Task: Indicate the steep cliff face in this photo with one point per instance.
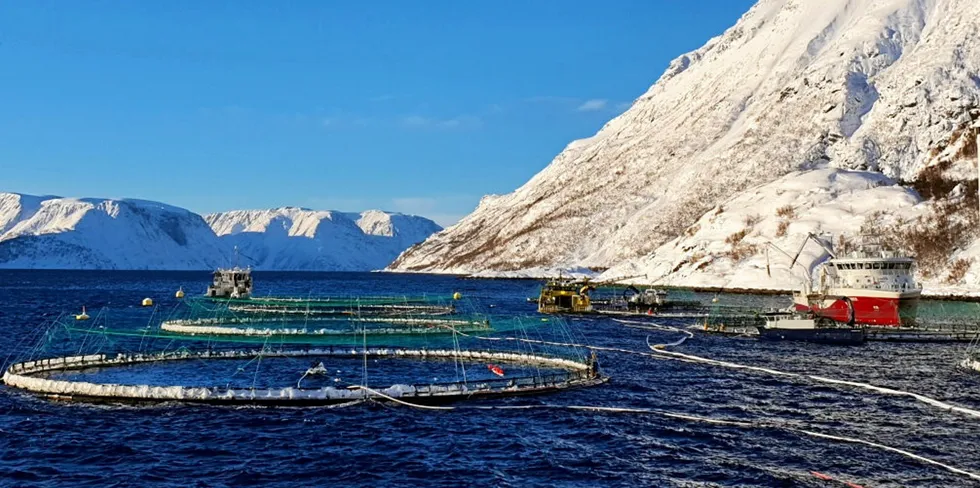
(886, 86)
(311, 240)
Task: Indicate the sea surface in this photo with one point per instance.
(44, 443)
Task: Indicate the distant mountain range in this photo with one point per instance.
(91, 233)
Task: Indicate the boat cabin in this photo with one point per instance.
(565, 296)
(870, 270)
(231, 283)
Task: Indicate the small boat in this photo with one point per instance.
(231, 283)
(497, 370)
(316, 369)
(566, 296)
(794, 327)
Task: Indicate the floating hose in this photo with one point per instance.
(690, 418)
(662, 353)
(821, 379)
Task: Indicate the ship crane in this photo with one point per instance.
(617, 280)
(814, 238)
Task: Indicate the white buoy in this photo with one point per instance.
(147, 302)
(180, 293)
(457, 295)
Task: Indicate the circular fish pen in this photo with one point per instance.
(320, 317)
(218, 355)
(354, 326)
(66, 378)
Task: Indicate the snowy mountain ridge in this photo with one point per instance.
(298, 238)
(886, 87)
(90, 233)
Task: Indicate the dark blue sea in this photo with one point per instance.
(45, 443)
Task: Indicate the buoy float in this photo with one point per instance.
(180, 293)
(497, 370)
(82, 316)
(457, 295)
(147, 302)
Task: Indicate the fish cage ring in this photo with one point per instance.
(39, 377)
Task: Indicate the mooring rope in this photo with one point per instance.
(659, 351)
(690, 418)
(879, 389)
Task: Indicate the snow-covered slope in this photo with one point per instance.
(888, 86)
(727, 246)
(300, 239)
(89, 233)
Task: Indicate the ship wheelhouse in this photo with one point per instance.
(231, 283)
(886, 273)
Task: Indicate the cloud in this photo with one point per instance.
(460, 122)
(416, 121)
(445, 220)
(552, 100)
(594, 105)
(445, 210)
(414, 205)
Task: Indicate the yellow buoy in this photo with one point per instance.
(82, 316)
(147, 302)
(180, 293)
(457, 295)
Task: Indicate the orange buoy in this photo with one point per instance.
(497, 370)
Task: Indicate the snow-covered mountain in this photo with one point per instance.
(886, 87)
(300, 239)
(90, 233)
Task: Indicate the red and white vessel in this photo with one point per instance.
(879, 285)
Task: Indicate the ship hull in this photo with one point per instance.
(835, 336)
(871, 307)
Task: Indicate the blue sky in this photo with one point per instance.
(419, 107)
